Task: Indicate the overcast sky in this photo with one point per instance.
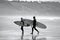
(36, 0)
(40, 0)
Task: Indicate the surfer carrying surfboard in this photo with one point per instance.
(22, 22)
(34, 25)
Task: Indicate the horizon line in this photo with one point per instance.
(39, 1)
(30, 17)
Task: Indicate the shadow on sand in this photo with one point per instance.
(34, 37)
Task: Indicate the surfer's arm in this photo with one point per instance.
(21, 23)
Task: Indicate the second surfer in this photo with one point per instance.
(34, 25)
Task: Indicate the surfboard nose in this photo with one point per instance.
(45, 26)
(15, 22)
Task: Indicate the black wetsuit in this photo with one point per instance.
(34, 23)
(22, 26)
(34, 26)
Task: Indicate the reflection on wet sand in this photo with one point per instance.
(42, 39)
(22, 36)
(34, 37)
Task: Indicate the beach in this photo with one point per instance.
(11, 31)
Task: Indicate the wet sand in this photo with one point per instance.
(19, 36)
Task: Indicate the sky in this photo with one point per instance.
(38, 0)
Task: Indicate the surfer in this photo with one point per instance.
(22, 25)
(34, 25)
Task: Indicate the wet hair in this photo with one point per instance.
(21, 18)
(33, 16)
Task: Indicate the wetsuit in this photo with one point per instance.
(22, 26)
(34, 26)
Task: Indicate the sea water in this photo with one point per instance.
(11, 31)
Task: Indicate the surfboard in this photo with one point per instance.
(38, 24)
(20, 24)
(28, 23)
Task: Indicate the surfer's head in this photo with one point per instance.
(33, 17)
(21, 18)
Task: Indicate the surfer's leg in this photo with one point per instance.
(32, 30)
(22, 29)
(36, 30)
